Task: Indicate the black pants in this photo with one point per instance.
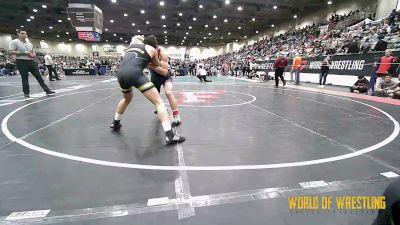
(323, 76)
(51, 70)
(279, 74)
(392, 211)
(26, 66)
(203, 78)
(359, 89)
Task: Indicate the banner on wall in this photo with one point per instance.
(352, 65)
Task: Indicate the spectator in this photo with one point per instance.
(324, 71)
(381, 45)
(392, 17)
(384, 86)
(366, 46)
(297, 61)
(353, 46)
(385, 66)
(361, 85)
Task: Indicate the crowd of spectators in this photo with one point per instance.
(355, 32)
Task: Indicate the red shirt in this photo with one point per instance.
(385, 64)
(280, 63)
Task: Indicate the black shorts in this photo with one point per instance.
(159, 80)
(129, 76)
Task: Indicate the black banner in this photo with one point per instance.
(73, 72)
(352, 65)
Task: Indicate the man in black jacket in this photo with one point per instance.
(381, 45)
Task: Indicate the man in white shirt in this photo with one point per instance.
(202, 74)
(49, 63)
(25, 55)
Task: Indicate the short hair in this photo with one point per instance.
(360, 76)
(151, 40)
(136, 39)
(21, 31)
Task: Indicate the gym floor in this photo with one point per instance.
(249, 146)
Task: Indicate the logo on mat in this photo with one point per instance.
(205, 96)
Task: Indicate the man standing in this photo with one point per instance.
(385, 66)
(279, 66)
(49, 63)
(25, 62)
(297, 61)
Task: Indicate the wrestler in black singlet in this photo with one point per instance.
(130, 72)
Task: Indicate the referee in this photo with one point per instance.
(25, 62)
(49, 64)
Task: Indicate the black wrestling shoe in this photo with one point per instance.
(172, 138)
(48, 93)
(27, 96)
(115, 125)
(284, 83)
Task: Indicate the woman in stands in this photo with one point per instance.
(130, 73)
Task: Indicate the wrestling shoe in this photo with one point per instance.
(115, 125)
(172, 138)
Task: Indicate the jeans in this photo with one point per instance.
(297, 74)
(323, 77)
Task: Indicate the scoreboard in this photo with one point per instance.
(85, 17)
